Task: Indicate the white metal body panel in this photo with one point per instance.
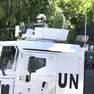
(35, 85)
(44, 46)
(47, 34)
(70, 64)
(46, 74)
(67, 59)
(57, 63)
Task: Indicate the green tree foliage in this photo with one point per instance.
(74, 11)
(12, 12)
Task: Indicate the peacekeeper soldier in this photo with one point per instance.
(41, 20)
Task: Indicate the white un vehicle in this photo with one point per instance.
(37, 64)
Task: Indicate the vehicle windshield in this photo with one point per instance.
(7, 56)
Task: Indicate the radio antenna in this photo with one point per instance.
(85, 23)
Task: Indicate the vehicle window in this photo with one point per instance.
(40, 63)
(7, 56)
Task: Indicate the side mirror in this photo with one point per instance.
(2, 67)
(32, 65)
